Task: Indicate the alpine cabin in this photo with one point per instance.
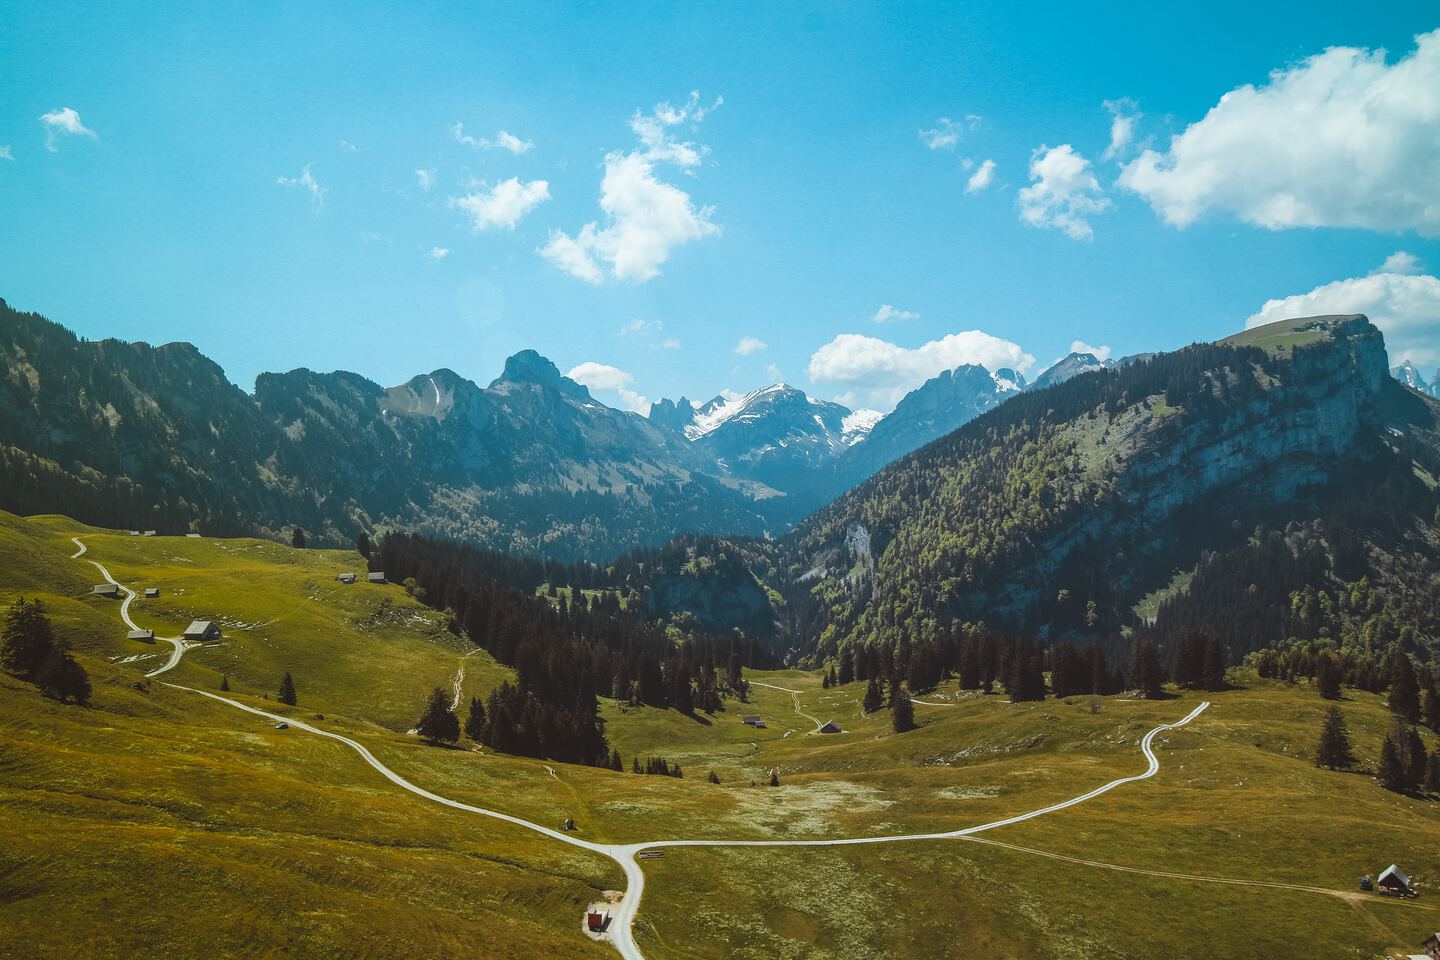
(202, 631)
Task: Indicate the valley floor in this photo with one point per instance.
(162, 823)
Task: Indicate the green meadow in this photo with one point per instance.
(161, 823)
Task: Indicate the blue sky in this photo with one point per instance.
(155, 184)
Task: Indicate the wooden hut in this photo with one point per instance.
(377, 577)
(1392, 882)
(596, 920)
(105, 590)
(1432, 946)
(830, 726)
(202, 631)
(152, 592)
(144, 636)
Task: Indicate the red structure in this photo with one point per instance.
(596, 921)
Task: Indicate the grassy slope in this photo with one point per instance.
(137, 814)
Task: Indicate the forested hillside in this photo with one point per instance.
(1283, 476)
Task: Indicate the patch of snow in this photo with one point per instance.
(857, 424)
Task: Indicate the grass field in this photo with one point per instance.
(158, 823)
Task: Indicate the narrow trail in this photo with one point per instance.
(932, 703)
(621, 933)
(794, 695)
(178, 644)
(1350, 895)
(459, 679)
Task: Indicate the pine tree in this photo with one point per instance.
(1430, 707)
(475, 720)
(847, 668)
(1334, 750)
(873, 699)
(1404, 698)
(224, 683)
(287, 690)
(774, 778)
(713, 778)
(27, 639)
(1392, 771)
(362, 544)
(297, 538)
(1327, 676)
(1432, 772)
(1213, 673)
(1145, 668)
(1415, 757)
(438, 724)
(902, 711)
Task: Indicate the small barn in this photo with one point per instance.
(596, 920)
(152, 592)
(149, 533)
(1432, 946)
(202, 631)
(830, 726)
(377, 577)
(144, 636)
(1393, 883)
(193, 536)
(105, 590)
(751, 720)
(345, 577)
(133, 533)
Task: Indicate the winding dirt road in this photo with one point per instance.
(621, 932)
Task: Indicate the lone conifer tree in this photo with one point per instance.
(873, 699)
(1334, 750)
(437, 724)
(713, 777)
(61, 678)
(902, 711)
(297, 539)
(1432, 772)
(475, 721)
(287, 690)
(1145, 669)
(1327, 676)
(27, 639)
(1392, 771)
(362, 544)
(774, 778)
(224, 682)
(1404, 698)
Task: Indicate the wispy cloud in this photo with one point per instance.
(503, 140)
(749, 346)
(981, 179)
(946, 133)
(890, 314)
(604, 377)
(425, 179)
(348, 147)
(64, 122)
(1124, 115)
(438, 253)
(306, 181)
(5, 153)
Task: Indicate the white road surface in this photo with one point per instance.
(620, 932)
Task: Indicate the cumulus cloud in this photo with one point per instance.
(885, 371)
(1101, 353)
(1063, 192)
(983, 176)
(503, 141)
(504, 205)
(1340, 139)
(307, 182)
(604, 377)
(61, 123)
(1400, 262)
(1404, 305)
(1124, 115)
(888, 314)
(749, 346)
(645, 217)
(438, 253)
(425, 178)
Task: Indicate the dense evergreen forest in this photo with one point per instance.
(568, 645)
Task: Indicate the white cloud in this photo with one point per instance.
(348, 147)
(1400, 262)
(888, 313)
(749, 346)
(1101, 353)
(670, 343)
(602, 376)
(504, 205)
(1063, 192)
(887, 371)
(1405, 306)
(438, 253)
(1341, 139)
(1124, 115)
(943, 136)
(64, 122)
(773, 372)
(946, 133)
(307, 182)
(503, 140)
(425, 178)
(5, 153)
(983, 176)
(646, 331)
(645, 217)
